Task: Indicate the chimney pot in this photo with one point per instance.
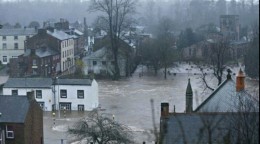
(229, 75)
(240, 81)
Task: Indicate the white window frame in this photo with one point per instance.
(16, 46)
(15, 37)
(81, 107)
(4, 38)
(79, 94)
(38, 96)
(34, 62)
(42, 105)
(14, 91)
(94, 63)
(4, 46)
(9, 131)
(4, 58)
(61, 94)
(66, 105)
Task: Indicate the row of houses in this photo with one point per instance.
(203, 49)
(43, 52)
(229, 115)
(59, 93)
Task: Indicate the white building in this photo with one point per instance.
(76, 94)
(12, 42)
(73, 94)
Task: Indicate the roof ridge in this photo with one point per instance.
(212, 94)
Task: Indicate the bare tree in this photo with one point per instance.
(165, 42)
(244, 122)
(218, 57)
(117, 17)
(150, 54)
(100, 129)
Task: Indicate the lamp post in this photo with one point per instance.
(58, 96)
(64, 115)
(53, 115)
(64, 112)
(0, 127)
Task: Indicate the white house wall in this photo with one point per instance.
(90, 100)
(46, 95)
(10, 51)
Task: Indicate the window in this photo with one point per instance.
(4, 58)
(104, 63)
(15, 45)
(67, 106)
(42, 105)
(94, 63)
(80, 107)
(39, 94)
(4, 45)
(14, 92)
(9, 132)
(63, 93)
(34, 62)
(15, 37)
(80, 94)
(4, 37)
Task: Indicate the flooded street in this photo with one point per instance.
(129, 101)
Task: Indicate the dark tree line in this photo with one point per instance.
(159, 52)
(252, 56)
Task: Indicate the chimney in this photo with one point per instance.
(240, 81)
(164, 109)
(41, 31)
(30, 96)
(189, 98)
(229, 75)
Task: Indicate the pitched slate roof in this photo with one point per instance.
(74, 82)
(98, 54)
(226, 99)
(28, 83)
(13, 109)
(59, 34)
(192, 127)
(17, 32)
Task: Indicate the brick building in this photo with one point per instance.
(21, 120)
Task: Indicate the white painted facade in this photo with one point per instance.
(46, 100)
(12, 43)
(90, 100)
(49, 97)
